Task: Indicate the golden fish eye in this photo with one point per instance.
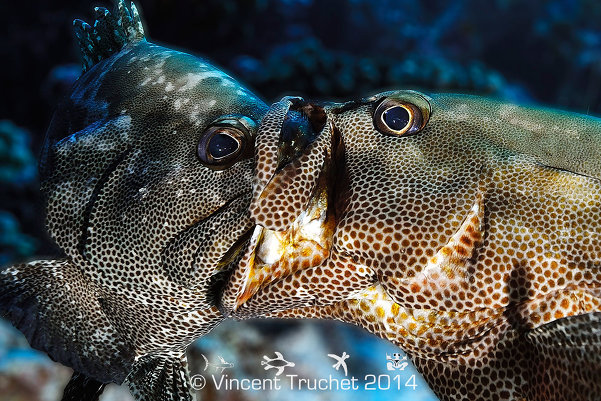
(224, 142)
(395, 115)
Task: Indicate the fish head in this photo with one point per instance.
(147, 176)
(387, 187)
(147, 172)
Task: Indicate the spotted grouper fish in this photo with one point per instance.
(465, 230)
(147, 173)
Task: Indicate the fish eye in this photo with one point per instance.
(224, 142)
(396, 118)
(396, 115)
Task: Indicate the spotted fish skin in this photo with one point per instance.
(472, 239)
(145, 226)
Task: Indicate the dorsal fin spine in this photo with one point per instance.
(109, 34)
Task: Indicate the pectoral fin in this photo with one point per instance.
(557, 361)
(160, 378)
(560, 360)
(568, 350)
(59, 312)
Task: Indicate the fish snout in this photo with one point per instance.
(292, 145)
(292, 204)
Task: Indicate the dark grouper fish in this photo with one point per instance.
(465, 230)
(147, 173)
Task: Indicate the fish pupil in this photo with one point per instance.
(222, 145)
(396, 118)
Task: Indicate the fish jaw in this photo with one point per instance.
(293, 146)
(301, 235)
(273, 255)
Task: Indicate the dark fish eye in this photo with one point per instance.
(396, 118)
(222, 144)
(225, 142)
(395, 115)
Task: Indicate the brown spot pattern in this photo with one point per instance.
(475, 245)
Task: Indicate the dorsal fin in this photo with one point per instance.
(110, 33)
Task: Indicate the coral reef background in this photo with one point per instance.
(540, 51)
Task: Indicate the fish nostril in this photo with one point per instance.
(316, 115)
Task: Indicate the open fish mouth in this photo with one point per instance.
(275, 254)
(295, 174)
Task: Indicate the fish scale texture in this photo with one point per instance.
(144, 224)
(474, 247)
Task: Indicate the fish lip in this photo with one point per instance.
(294, 141)
(205, 277)
(224, 270)
(240, 289)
